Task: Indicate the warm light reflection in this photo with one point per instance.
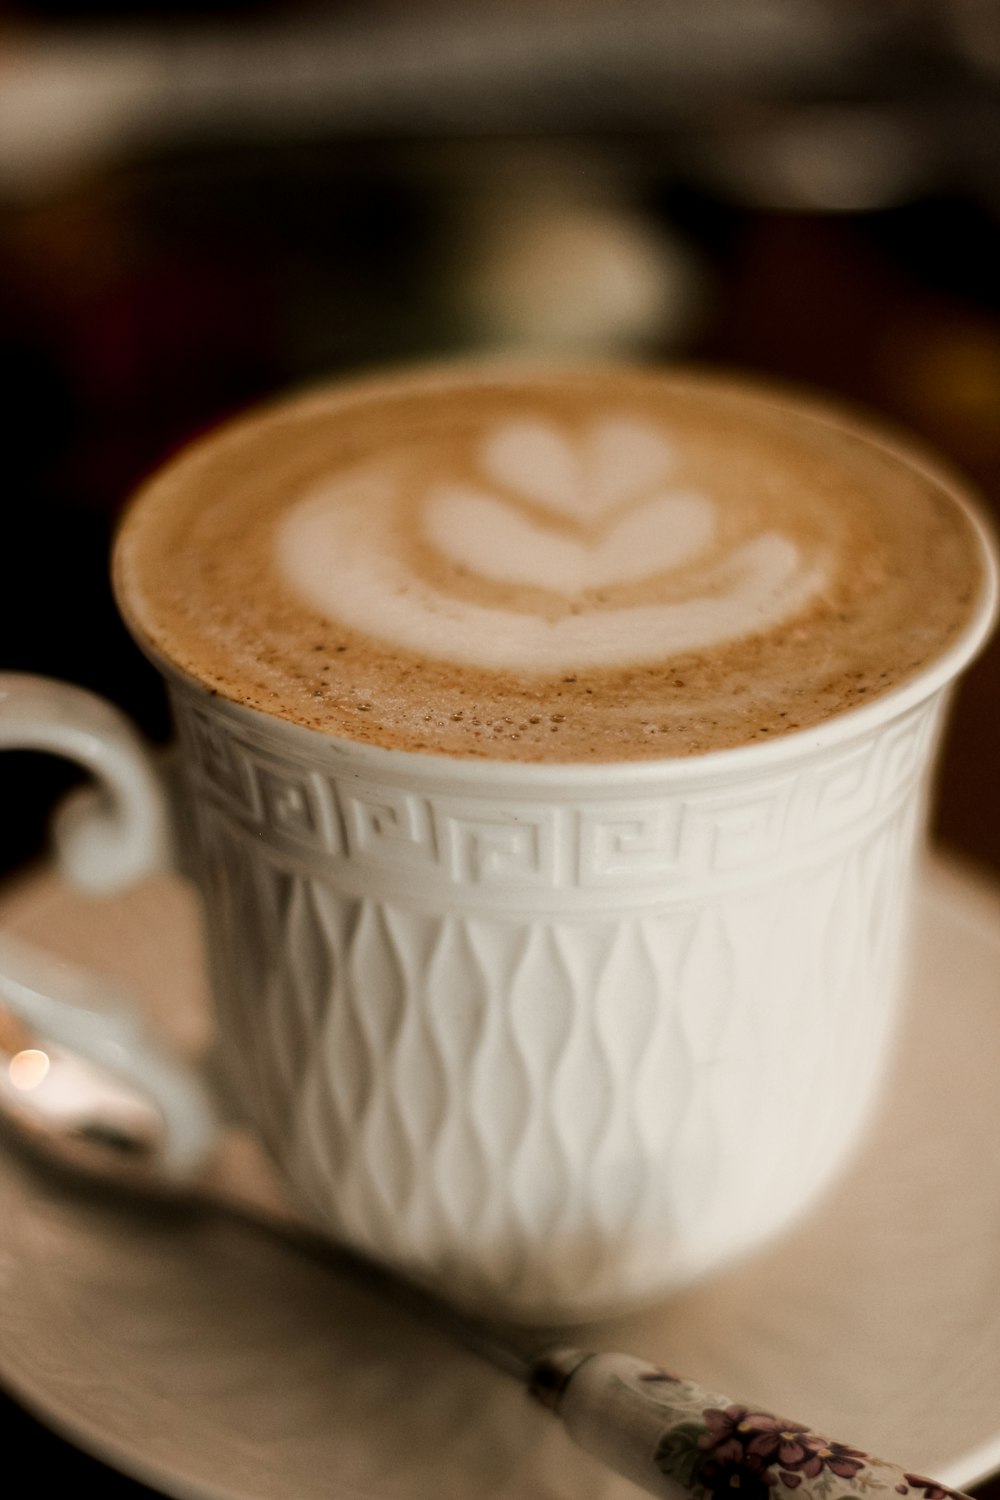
(27, 1069)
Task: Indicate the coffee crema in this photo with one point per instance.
(583, 565)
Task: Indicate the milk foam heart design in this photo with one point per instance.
(617, 460)
(570, 514)
(496, 542)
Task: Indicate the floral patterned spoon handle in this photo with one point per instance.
(673, 1438)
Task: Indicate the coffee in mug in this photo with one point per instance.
(582, 566)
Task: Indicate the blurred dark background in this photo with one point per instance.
(203, 204)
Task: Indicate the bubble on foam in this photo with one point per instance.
(342, 549)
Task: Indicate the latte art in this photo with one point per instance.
(495, 541)
(581, 526)
(605, 564)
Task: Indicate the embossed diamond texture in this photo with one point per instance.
(561, 1113)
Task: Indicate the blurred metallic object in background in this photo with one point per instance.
(974, 27)
(862, 101)
(552, 254)
(819, 157)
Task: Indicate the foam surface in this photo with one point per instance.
(603, 564)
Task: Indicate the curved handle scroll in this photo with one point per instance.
(105, 842)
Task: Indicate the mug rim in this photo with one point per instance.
(794, 745)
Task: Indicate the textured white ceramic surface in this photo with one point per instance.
(218, 1364)
(554, 1038)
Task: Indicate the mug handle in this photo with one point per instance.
(104, 843)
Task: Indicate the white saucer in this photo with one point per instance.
(211, 1361)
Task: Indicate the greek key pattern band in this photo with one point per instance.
(526, 848)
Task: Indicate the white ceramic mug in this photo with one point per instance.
(551, 1038)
